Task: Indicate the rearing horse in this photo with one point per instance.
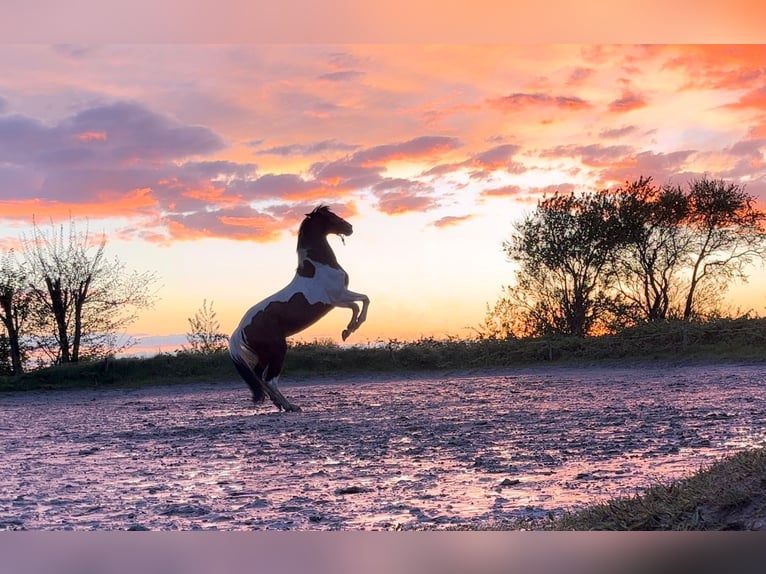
(259, 344)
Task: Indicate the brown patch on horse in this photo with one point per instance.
(280, 319)
(306, 269)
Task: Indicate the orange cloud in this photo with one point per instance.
(451, 220)
(718, 66)
(628, 102)
(505, 191)
(754, 98)
(205, 225)
(107, 205)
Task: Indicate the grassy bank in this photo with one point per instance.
(727, 495)
(741, 339)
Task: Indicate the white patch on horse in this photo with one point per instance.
(328, 285)
(319, 284)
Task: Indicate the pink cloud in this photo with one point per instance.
(420, 147)
(659, 166)
(451, 220)
(496, 157)
(401, 201)
(594, 155)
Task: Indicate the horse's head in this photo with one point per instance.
(325, 222)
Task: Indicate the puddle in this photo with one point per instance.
(367, 453)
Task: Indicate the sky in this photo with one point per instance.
(198, 161)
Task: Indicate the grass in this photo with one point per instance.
(728, 495)
(722, 340)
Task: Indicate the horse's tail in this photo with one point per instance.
(238, 353)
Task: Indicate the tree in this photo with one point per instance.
(82, 298)
(563, 250)
(726, 235)
(604, 260)
(15, 309)
(652, 257)
(205, 336)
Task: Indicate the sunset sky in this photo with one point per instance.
(199, 160)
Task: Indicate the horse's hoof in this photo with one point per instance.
(344, 335)
(293, 409)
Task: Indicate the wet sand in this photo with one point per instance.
(367, 453)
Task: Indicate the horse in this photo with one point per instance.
(259, 343)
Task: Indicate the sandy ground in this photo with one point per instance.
(367, 453)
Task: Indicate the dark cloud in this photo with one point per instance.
(276, 185)
(496, 157)
(126, 158)
(296, 211)
(219, 170)
(749, 158)
(109, 149)
(579, 75)
(341, 76)
(483, 164)
(22, 138)
(521, 101)
(117, 133)
(133, 132)
(346, 174)
(74, 51)
(615, 133)
(343, 60)
(315, 148)
(749, 148)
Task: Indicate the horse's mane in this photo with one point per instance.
(322, 208)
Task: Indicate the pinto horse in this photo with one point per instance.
(259, 344)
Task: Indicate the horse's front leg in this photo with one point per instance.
(352, 324)
(348, 300)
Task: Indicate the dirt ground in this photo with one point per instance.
(367, 453)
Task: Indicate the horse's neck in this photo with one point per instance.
(317, 249)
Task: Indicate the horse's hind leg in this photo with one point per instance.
(278, 398)
(274, 363)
